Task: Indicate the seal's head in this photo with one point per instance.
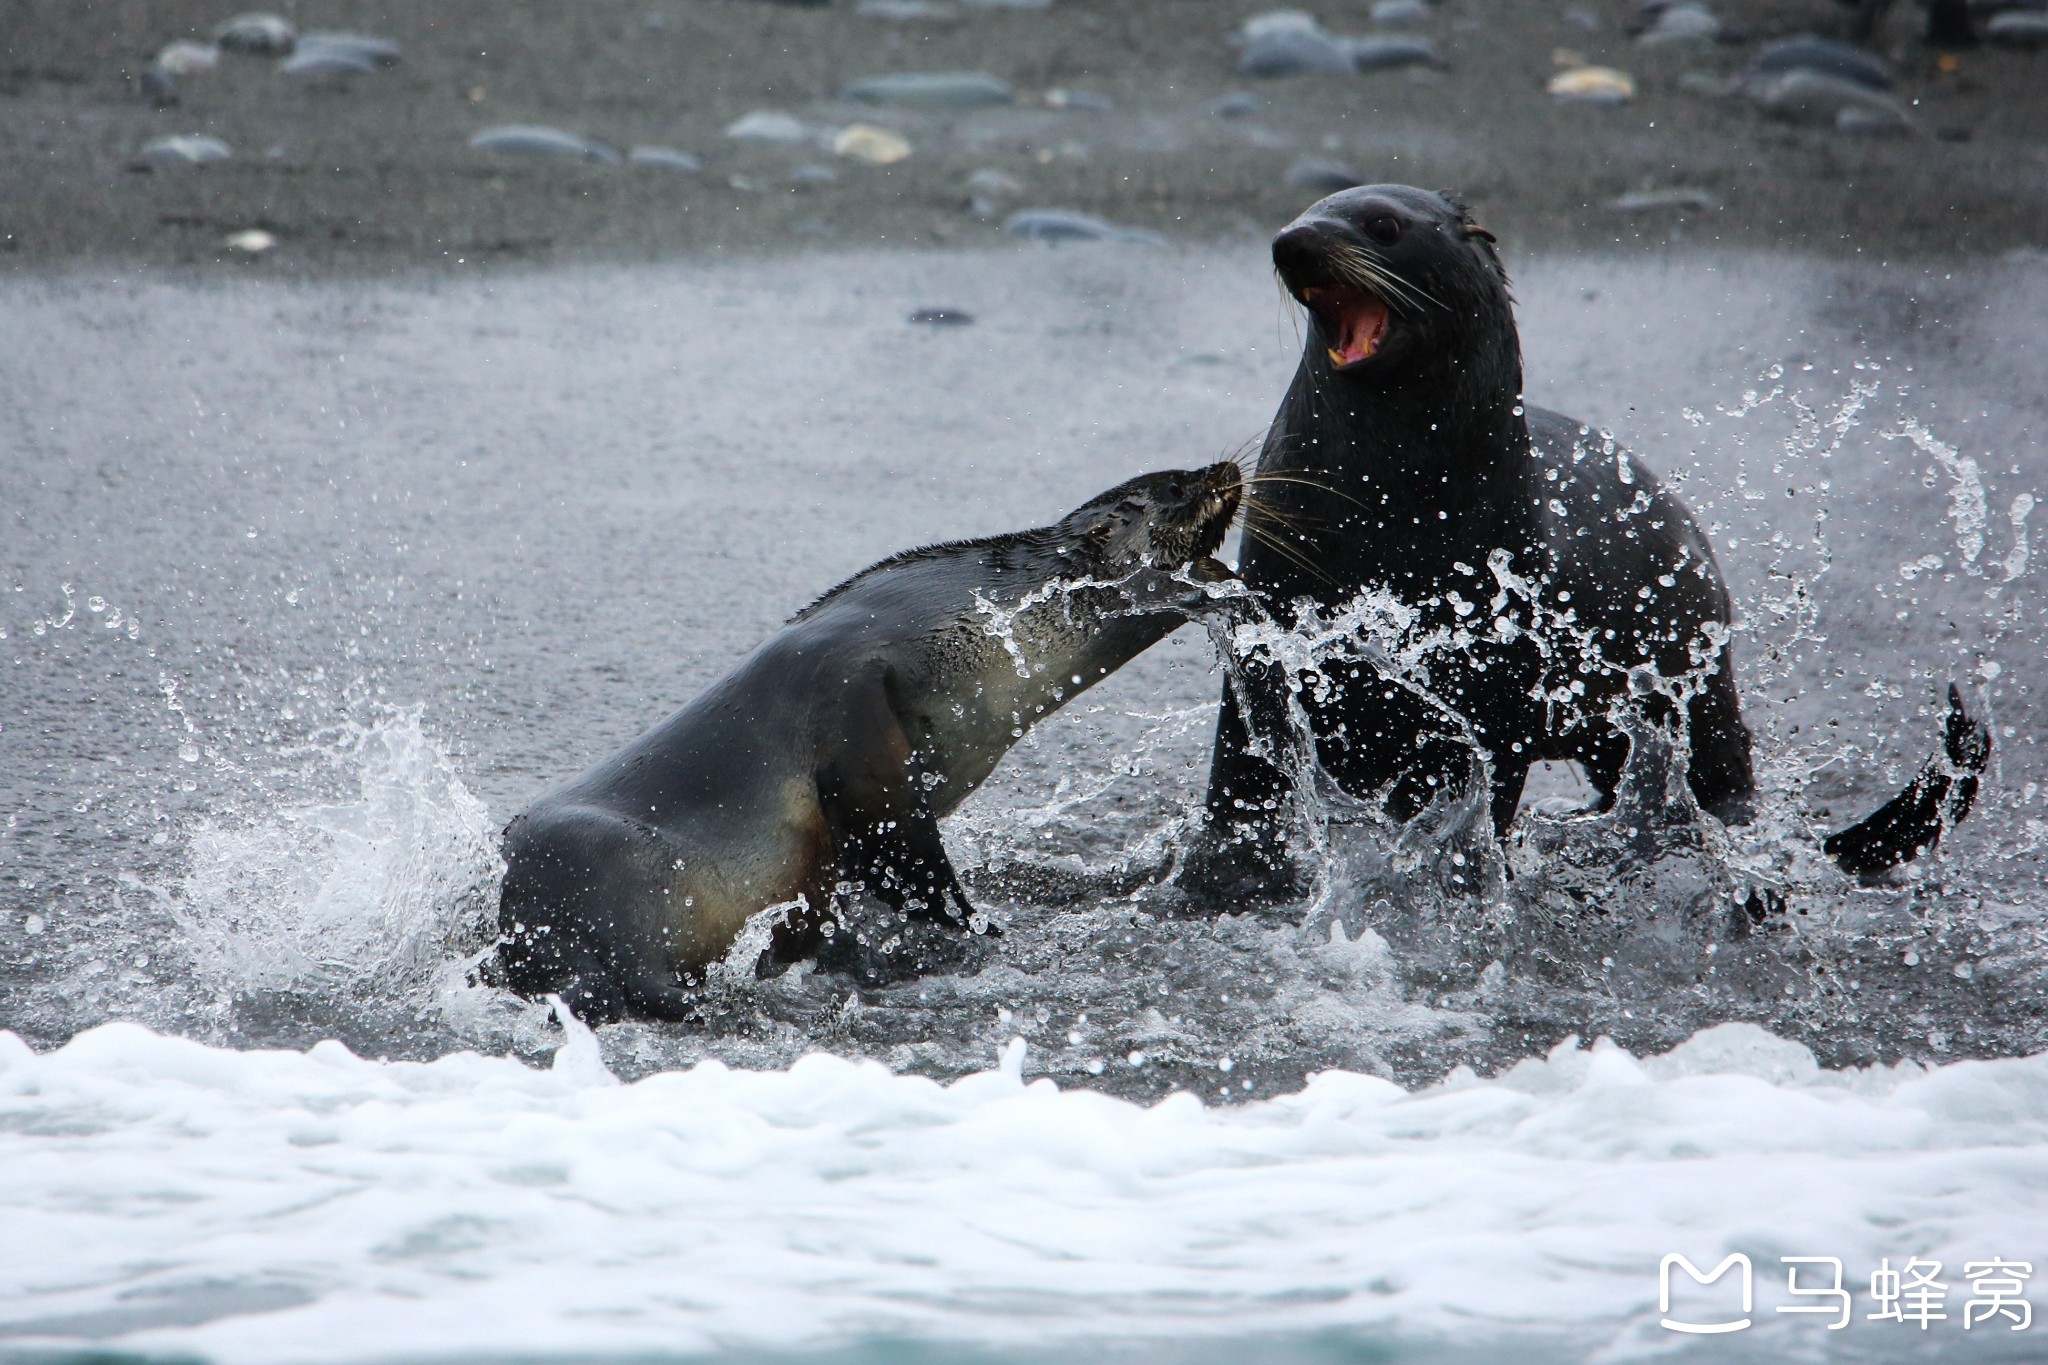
(1170, 520)
(1398, 281)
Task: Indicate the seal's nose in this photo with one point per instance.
(1299, 250)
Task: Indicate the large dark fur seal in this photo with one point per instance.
(1559, 581)
(819, 768)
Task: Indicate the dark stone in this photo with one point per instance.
(1321, 175)
(1825, 55)
(1388, 54)
(527, 139)
(1066, 225)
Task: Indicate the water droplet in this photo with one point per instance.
(188, 752)
(1963, 971)
(1911, 959)
(33, 925)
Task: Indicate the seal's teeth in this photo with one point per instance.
(1336, 356)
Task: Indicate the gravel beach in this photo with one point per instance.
(1136, 114)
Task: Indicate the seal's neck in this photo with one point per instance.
(1425, 465)
(1457, 410)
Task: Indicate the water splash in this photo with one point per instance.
(367, 895)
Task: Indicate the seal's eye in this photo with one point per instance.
(1176, 492)
(1383, 228)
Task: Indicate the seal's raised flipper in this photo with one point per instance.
(873, 792)
(1938, 797)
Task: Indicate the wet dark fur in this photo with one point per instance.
(819, 768)
(1432, 465)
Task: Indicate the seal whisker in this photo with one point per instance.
(1288, 552)
(1267, 516)
(1361, 268)
(1256, 479)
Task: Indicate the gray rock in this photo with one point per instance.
(942, 317)
(1675, 200)
(2018, 28)
(1868, 122)
(906, 11)
(666, 159)
(770, 125)
(1683, 23)
(990, 181)
(1321, 175)
(932, 89)
(1066, 225)
(813, 173)
(1809, 53)
(364, 47)
(185, 149)
(1813, 97)
(159, 86)
(1388, 54)
(187, 58)
(1086, 101)
(1400, 13)
(257, 35)
(530, 139)
(1290, 43)
(321, 64)
(1237, 104)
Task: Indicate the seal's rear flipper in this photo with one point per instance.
(1938, 797)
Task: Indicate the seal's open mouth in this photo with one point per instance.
(1353, 321)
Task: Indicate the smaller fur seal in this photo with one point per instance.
(818, 769)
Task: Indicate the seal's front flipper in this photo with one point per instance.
(884, 834)
(1938, 797)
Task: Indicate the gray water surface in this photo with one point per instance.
(308, 587)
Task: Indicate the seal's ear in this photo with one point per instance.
(1463, 211)
(1474, 232)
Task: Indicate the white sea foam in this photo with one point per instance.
(166, 1196)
